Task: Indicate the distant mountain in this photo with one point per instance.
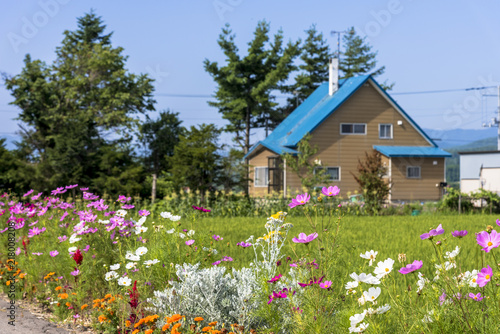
(460, 137)
(488, 144)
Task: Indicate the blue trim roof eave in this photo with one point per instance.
(404, 113)
(412, 151)
(276, 149)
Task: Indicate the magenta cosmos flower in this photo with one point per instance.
(144, 213)
(330, 191)
(484, 276)
(416, 265)
(439, 230)
(488, 240)
(475, 297)
(304, 238)
(300, 200)
(189, 242)
(275, 279)
(459, 234)
(54, 253)
(325, 285)
(244, 244)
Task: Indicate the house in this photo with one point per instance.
(347, 118)
(480, 170)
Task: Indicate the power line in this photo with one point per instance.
(444, 90)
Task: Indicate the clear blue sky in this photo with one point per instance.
(425, 45)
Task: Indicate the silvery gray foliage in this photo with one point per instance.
(209, 293)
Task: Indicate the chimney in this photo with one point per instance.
(334, 76)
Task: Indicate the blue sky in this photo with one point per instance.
(425, 45)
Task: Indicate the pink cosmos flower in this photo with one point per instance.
(63, 238)
(216, 263)
(439, 230)
(475, 297)
(416, 265)
(38, 254)
(28, 193)
(275, 279)
(300, 200)
(325, 285)
(35, 231)
(459, 234)
(305, 239)
(244, 244)
(18, 250)
(330, 191)
(76, 272)
(189, 242)
(498, 222)
(128, 206)
(144, 213)
(217, 237)
(53, 253)
(71, 186)
(227, 258)
(484, 276)
(488, 240)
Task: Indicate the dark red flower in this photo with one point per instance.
(78, 257)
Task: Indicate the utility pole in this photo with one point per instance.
(495, 121)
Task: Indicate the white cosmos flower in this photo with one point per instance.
(384, 268)
(132, 257)
(72, 249)
(357, 318)
(421, 282)
(364, 278)
(182, 235)
(452, 254)
(175, 218)
(110, 275)
(370, 295)
(351, 285)
(362, 327)
(428, 318)
(171, 231)
(370, 255)
(141, 221)
(130, 265)
(141, 251)
(114, 266)
(447, 266)
(166, 215)
(471, 278)
(140, 229)
(149, 263)
(74, 238)
(190, 233)
(121, 213)
(371, 311)
(383, 309)
(105, 222)
(124, 281)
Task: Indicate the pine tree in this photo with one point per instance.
(358, 58)
(245, 85)
(79, 111)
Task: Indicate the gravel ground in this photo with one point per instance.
(31, 321)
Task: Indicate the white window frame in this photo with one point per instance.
(266, 177)
(331, 180)
(353, 124)
(380, 131)
(414, 177)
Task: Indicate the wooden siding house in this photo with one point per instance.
(345, 120)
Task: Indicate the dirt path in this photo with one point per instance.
(28, 322)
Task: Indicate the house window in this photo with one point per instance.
(385, 131)
(413, 172)
(353, 129)
(332, 172)
(261, 177)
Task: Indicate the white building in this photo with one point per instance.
(480, 170)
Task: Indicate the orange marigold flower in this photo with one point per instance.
(127, 323)
(206, 329)
(198, 319)
(73, 293)
(149, 331)
(58, 304)
(22, 275)
(135, 331)
(102, 318)
(108, 296)
(84, 306)
(176, 326)
(63, 295)
(58, 288)
(213, 323)
(165, 327)
(68, 304)
(7, 283)
(174, 318)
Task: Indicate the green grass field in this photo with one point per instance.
(389, 235)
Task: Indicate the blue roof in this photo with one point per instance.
(412, 151)
(313, 111)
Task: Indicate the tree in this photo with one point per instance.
(194, 162)
(358, 58)
(313, 71)
(159, 138)
(371, 180)
(245, 85)
(309, 172)
(233, 171)
(80, 107)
